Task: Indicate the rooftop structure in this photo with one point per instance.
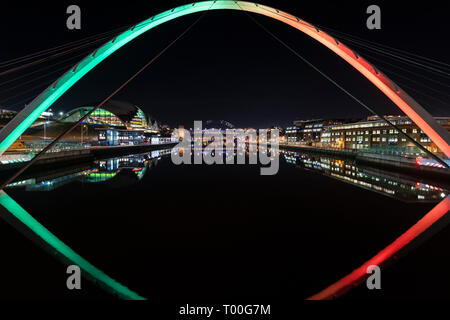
(114, 114)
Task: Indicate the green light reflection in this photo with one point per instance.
(111, 285)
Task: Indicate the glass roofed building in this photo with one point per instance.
(115, 114)
(116, 122)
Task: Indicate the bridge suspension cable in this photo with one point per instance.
(428, 96)
(34, 55)
(403, 53)
(411, 82)
(51, 57)
(398, 67)
(58, 71)
(45, 68)
(43, 84)
(33, 80)
(409, 59)
(420, 75)
(67, 62)
(408, 83)
(397, 57)
(390, 71)
(422, 148)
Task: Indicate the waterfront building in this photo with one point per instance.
(309, 132)
(375, 133)
(115, 123)
(372, 133)
(292, 134)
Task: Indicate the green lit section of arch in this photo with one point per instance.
(50, 239)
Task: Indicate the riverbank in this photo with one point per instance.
(68, 158)
(388, 162)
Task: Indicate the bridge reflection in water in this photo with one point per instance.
(126, 170)
(116, 172)
(159, 231)
(402, 187)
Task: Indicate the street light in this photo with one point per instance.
(82, 126)
(45, 131)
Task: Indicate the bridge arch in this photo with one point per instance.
(12, 131)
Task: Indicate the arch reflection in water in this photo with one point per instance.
(403, 187)
(115, 173)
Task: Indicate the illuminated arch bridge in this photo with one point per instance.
(17, 126)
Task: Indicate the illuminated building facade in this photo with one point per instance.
(292, 134)
(115, 123)
(377, 133)
(310, 132)
(354, 134)
(399, 186)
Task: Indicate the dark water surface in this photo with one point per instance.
(217, 232)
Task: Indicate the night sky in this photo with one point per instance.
(226, 67)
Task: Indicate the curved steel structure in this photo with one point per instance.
(402, 243)
(30, 113)
(408, 105)
(19, 218)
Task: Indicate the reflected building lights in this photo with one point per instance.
(401, 187)
(103, 170)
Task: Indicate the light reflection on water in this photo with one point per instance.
(399, 186)
(124, 170)
(131, 168)
(163, 230)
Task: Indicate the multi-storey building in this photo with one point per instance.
(310, 132)
(375, 132)
(292, 134)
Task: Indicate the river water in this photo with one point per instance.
(221, 231)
